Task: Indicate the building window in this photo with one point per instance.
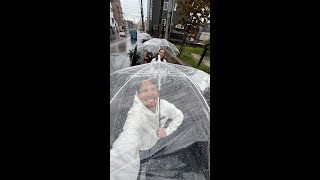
(164, 21)
(150, 13)
(165, 6)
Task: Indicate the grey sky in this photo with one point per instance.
(132, 11)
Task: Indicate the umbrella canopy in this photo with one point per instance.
(155, 44)
(145, 36)
(185, 152)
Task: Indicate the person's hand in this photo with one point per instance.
(161, 132)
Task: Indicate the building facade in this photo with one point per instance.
(126, 28)
(176, 29)
(153, 14)
(118, 14)
(112, 21)
(129, 24)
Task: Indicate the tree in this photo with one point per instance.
(192, 15)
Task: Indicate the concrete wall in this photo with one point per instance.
(204, 36)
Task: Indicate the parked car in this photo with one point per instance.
(122, 34)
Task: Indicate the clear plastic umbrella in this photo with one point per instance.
(155, 44)
(184, 153)
(144, 36)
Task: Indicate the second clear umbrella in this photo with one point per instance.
(155, 44)
(144, 36)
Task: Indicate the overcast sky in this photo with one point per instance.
(132, 11)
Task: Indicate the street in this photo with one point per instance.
(118, 52)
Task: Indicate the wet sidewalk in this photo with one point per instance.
(119, 48)
(114, 38)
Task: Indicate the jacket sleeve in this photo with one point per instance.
(125, 150)
(175, 114)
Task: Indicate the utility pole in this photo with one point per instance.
(142, 16)
(170, 9)
(199, 35)
(204, 52)
(151, 17)
(160, 17)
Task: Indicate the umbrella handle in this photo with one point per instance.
(159, 115)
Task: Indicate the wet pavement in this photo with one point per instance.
(119, 49)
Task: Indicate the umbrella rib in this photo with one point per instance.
(122, 69)
(192, 83)
(125, 84)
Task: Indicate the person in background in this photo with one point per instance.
(147, 56)
(161, 53)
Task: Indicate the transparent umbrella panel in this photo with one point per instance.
(154, 44)
(199, 78)
(144, 36)
(185, 152)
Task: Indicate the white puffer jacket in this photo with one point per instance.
(139, 133)
(155, 60)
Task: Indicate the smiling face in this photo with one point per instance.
(161, 53)
(148, 94)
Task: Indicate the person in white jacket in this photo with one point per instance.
(142, 130)
(161, 53)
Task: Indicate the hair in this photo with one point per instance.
(153, 81)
